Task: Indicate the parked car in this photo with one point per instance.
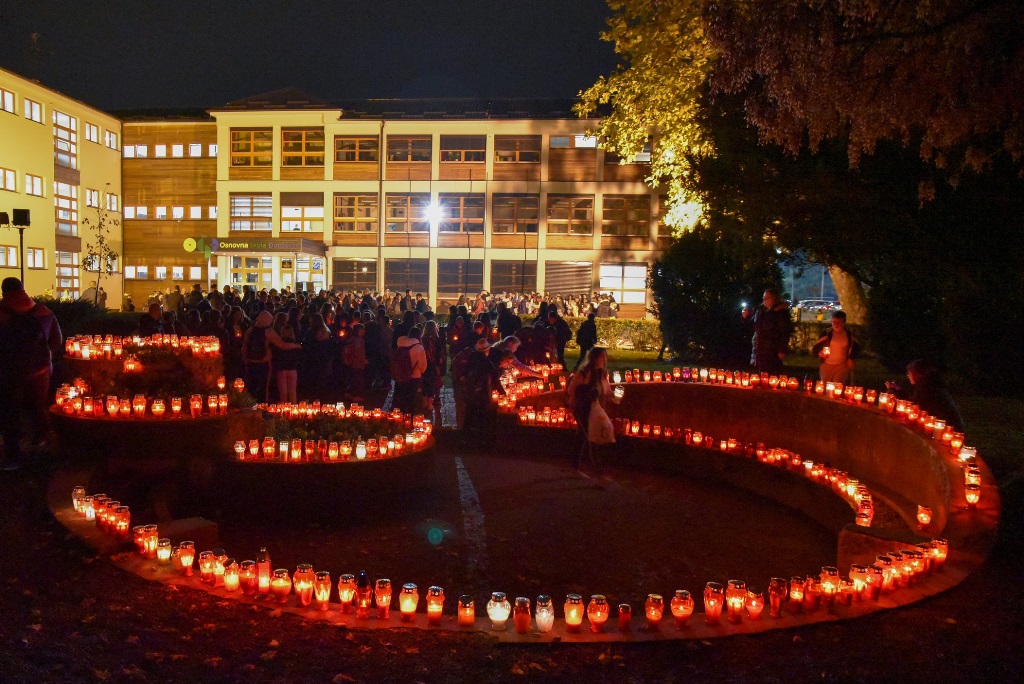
(818, 305)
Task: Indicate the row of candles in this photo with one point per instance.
(73, 400)
(900, 568)
(303, 451)
(92, 347)
(315, 409)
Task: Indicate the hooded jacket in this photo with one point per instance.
(19, 303)
(417, 354)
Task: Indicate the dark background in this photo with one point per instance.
(120, 54)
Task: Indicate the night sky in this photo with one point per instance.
(140, 53)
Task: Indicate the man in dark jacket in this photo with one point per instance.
(772, 328)
(29, 338)
(563, 333)
(586, 336)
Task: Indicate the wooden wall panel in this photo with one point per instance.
(403, 239)
(151, 239)
(626, 172)
(626, 243)
(524, 172)
(460, 239)
(356, 171)
(513, 241)
(175, 134)
(469, 171)
(572, 165)
(407, 171)
(354, 239)
(170, 182)
(250, 173)
(302, 173)
(557, 241)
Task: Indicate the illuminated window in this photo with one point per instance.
(7, 101)
(407, 213)
(626, 282)
(33, 111)
(409, 149)
(110, 139)
(352, 149)
(92, 132)
(406, 274)
(461, 213)
(643, 157)
(251, 212)
(513, 276)
(112, 201)
(178, 273)
(510, 149)
(92, 198)
(255, 271)
(160, 213)
(252, 146)
(195, 150)
(128, 152)
(65, 140)
(302, 219)
(356, 213)
(35, 258)
(8, 256)
(195, 272)
(33, 185)
(160, 272)
(136, 272)
(67, 274)
(195, 212)
(302, 147)
(463, 149)
(627, 215)
(142, 212)
(515, 213)
(212, 212)
(8, 180)
(573, 141)
(177, 150)
(212, 149)
(65, 205)
(129, 212)
(141, 150)
(571, 214)
(160, 150)
(177, 213)
(354, 274)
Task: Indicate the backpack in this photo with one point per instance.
(24, 333)
(401, 364)
(256, 345)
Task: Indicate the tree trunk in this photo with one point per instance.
(851, 295)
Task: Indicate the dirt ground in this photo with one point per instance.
(67, 615)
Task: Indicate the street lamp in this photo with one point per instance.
(22, 220)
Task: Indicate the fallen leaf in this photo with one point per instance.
(275, 613)
(213, 662)
(950, 621)
(35, 628)
(101, 674)
(132, 639)
(516, 670)
(268, 655)
(412, 651)
(274, 643)
(338, 678)
(154, 655)
(179, 656)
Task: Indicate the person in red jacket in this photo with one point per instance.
(29, 339)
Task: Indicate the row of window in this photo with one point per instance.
(110, 200)
(456, 213)
(307, 147)
(172, 151)
(9, 181)
(34, 257)
(175, 213)
(160, 272)
(65, 127)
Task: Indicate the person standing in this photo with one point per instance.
(586, 336)
(407, 367)
(772, 328)
(30, 336)
(256, 354)
(837, 350)
(563, 333)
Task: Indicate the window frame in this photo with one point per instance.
(34, 254)
(356, 223)
(624, 227)
(92, 133)
(518, 199)
(258, 150)
(415, 207)
(34, 185)
(361, 155)
(517, 152)
(8, 179)
(555, 224)
(8, 101)
(454, 150)
(403, 149)
(307, 155)
(65, 139)
(252, 210)
(308, 223)
(454, 208)
(513, 282)
(33, 110)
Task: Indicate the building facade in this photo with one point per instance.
(436, 196)
(60, 159)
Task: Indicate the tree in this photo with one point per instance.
(99, 257)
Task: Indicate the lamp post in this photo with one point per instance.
(22, 220)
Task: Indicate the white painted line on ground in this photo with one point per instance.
(472, 524)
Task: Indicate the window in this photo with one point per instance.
(65, 140)
(461, 149)
(142, 212)
(408, 149)
(128, 152)
(34, 258)
(462, 213)
(67, 274)
(33, 185)
(177, 150)
(136, 272)
(356, 213)
(212, 212)
(627, 215)
(160, 213)
(571, 214)
(195, 272)
(302, 147)
(252, 146)
(349, 149)
(92, 132)
(309, 273)
(7, 101)
(195, 212)
(643, 157)
(8, 180)
(178, 272)
(195, 150)
(161, 272)
(515, 213)
(160, 150)
(354, 274)
(112, 202)
(177, 213)
(626, 282)
(8, 256)
(510, 149)
(407, 213)
(251, 212)
(212, 149)
(257, 271)
(407, 274)
(141, 151)
(129, 212)
(129, 272)
(513, 276)
(33, 111)
(110, 139)
(573, 141)
(65, 204)
(304, 219)
(568, 277)
(92, 198)
(458, 275)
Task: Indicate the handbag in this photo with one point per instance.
(599, 428)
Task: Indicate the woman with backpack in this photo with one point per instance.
(256, 354)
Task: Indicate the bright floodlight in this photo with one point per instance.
(434, 216)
